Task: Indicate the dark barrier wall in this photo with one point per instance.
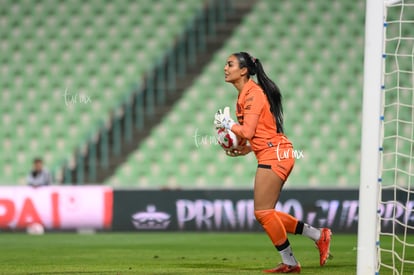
(232, 210)
(229, 210)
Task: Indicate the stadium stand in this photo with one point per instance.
(314, 51)
(66, 65)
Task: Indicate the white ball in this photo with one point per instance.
(227, 139)
(35, 229)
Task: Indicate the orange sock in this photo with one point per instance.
(288, 221)
(273, 225)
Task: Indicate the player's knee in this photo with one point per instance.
(262, 215)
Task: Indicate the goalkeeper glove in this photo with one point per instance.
(223, 119)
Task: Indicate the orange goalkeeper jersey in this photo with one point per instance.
(266, 143)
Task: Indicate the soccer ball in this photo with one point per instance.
(227, 139)
(35, 229)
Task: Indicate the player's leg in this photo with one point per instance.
(282, 169)
(294, 226)
(266, 193)
(321, 236)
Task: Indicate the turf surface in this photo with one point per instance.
(163, 253)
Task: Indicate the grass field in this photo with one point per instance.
(171, 253)
(163, 253)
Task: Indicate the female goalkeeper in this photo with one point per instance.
(260, 116)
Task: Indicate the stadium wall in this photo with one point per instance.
(102, 208)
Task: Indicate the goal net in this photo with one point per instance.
(396, 183)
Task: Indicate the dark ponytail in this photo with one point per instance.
(254, 67)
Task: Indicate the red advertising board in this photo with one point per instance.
(56, 207)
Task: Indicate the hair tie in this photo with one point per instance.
(254, 60)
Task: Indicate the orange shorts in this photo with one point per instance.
(281, 167)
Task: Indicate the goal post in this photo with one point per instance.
(386, 190)
(370, 140)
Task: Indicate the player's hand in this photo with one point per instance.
(239, 151)
(223, 119)
(217, 120)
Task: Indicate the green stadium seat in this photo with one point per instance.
(313, 51)
(95, 48)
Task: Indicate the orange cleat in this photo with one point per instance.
(323, 245)
(284, 268)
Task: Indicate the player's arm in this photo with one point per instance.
(253, 106)
(248, 129)
(250, 121)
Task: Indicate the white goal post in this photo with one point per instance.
(386, 190)
(370, 140)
